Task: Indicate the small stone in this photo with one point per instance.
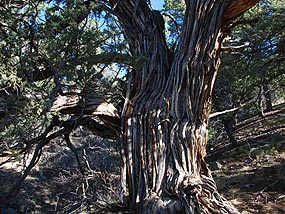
(215, 165)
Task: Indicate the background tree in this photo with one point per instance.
(252, 71)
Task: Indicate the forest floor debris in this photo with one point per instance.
(251, 175)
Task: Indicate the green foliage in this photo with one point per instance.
(211, 133)
(174, 11)
(48, 48)
(260, 62)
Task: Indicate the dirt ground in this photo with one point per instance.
(56, 184)
(254, 183)
(251, 175)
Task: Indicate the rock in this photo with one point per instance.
(215, 165)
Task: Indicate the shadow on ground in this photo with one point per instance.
(56, 184)
(254, 185)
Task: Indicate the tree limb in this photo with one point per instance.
(109, 129)
(229, 49)
(235, 8)
(43, 140)
(216, 114)
(92, 111)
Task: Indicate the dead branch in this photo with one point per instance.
(230, 49)
(90, 110)
(73, 149)
(216, 114)
(36, 157)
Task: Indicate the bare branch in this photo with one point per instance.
(216, 114)
(73, 149)
(229, 49)
(39, 144)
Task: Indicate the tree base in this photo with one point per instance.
(186, 203)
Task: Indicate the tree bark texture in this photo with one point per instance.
(165, 116)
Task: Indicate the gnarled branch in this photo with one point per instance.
(235, 8)
(92, 111)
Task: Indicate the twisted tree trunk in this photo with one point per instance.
(165, 116)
